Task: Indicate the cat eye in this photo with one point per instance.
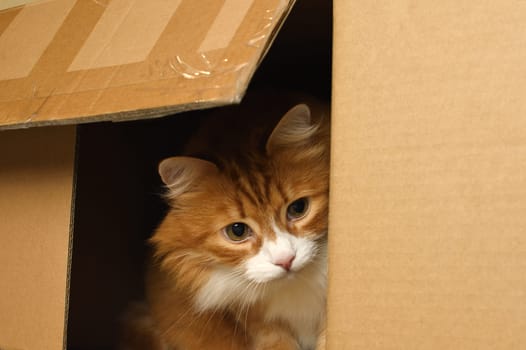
(238, 232)
(297, 209)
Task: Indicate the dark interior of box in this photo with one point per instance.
(118, 203)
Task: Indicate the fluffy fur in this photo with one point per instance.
(206, 291)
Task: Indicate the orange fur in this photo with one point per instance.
(254, 170)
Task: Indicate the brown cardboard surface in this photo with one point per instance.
(36, 176)
(428, 244)
(71, 61)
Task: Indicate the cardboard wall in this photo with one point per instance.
(427, 247)
(36, 179)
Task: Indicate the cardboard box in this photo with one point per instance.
(427, 244)
(77, 203)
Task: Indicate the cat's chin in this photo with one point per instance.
(264, 276)
(219, 290)
(284, 279)
(278, 277)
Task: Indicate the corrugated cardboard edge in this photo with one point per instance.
(129, 115)
(71, 236)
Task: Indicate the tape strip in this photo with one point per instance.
(225, 25)
(126, 33)
(28, 35)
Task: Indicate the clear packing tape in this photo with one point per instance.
(76, 61)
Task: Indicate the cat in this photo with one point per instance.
(240, 260)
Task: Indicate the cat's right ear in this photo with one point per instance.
(294, 129)
(179, 174)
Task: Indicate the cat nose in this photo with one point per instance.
(285, 262)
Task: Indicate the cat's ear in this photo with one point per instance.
(294, 128)
(179, 174)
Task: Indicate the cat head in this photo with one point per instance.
(255, 218)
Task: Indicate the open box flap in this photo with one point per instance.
(74, 61)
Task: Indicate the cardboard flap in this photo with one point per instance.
(72, 61)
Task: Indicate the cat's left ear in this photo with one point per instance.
(294, 129)
(181, 173)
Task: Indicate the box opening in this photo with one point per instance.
(118, 203)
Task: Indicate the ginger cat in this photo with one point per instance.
(240, 260)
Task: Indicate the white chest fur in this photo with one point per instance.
(300, 302)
